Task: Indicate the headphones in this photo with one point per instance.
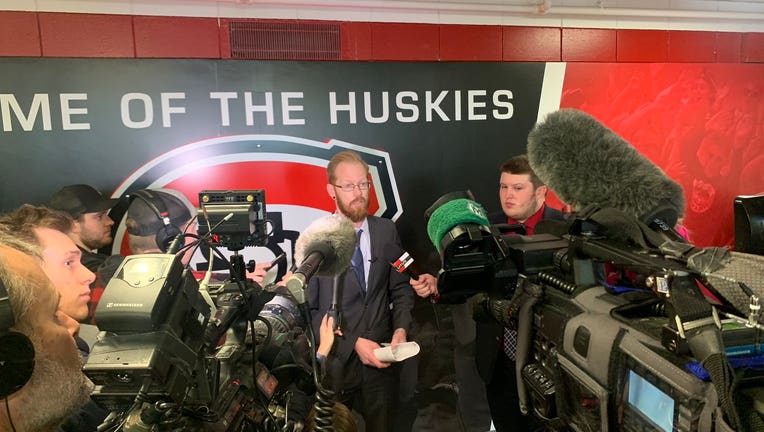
(168, 232)
(16, 350)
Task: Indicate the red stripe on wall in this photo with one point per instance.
(532, 44)
(470, 43)
(50, 34)
(176, 37)
(588, 45)
(642, 46)
(19, 34)
(86, 35)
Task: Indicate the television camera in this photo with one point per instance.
(172, 357)
(620, 327)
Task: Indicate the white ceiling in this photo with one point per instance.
(714, 15)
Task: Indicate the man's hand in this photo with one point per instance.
(399, 336)
(327, 332)
(284, 279)
(259, 274)
(365, 349)
(425, 286)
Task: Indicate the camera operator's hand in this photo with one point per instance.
(365, 350)
(326, 334)
(259, 274)
(284, 279)
(426, 285)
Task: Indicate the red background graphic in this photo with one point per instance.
(702, 124)
(288, 183)
(285, 183)
(689, 100)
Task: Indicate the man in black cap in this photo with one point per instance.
(154, 218)
(92, 224)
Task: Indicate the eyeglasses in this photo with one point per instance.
(363, 186)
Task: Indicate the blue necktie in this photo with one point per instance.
(357, 263)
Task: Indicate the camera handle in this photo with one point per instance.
(238, 268)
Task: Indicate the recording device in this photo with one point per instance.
(164, 362)
(614, 329)
(588, 357)
(247, 226)
(749, 224)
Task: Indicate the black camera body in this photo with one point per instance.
(596, 361)
(173, 357)
(593, 355)
(237, 218)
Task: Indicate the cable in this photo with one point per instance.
(8, 410)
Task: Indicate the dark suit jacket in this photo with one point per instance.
(365, 315)
(489, 332)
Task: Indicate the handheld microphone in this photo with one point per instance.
(585, 163)
(402, 265)
(325, 247)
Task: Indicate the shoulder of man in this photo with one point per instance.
(380, 221)
(553, 214)
(497, 217)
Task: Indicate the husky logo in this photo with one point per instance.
(476, 209)
(291, 170)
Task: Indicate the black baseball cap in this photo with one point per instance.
(80, 199)
(143, 220)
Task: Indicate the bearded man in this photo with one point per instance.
(376, 302)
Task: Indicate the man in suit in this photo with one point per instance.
(376, 303)
(522, 196)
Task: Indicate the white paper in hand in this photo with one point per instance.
(401, 352)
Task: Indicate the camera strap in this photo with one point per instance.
(697, 322)
(526, 296)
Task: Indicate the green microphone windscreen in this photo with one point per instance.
(452, 213)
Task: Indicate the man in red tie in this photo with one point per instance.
(522, 196)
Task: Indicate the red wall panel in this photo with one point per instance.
(93, 35)
(404, 41)
(176, 37)
(19, 34)
(532, 44)
(642, 46)
(356, 41)
(728, 47)
(86, 35)
(470, 43)
(589, 45)
(753, 48)
(224, 37)
(691, 47)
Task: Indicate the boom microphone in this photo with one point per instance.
(585, 163)
(325, 247)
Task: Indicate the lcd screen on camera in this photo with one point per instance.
(651, 402)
